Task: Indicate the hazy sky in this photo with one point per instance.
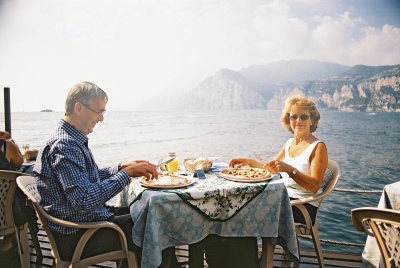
(135, 50)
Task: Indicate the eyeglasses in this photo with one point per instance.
(302, 117)
(99, 113)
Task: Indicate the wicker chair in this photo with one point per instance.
(7, 190)
(29, 187)
(384, 225)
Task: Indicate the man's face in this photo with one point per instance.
(91, 114)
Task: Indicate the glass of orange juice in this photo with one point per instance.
(174, 164)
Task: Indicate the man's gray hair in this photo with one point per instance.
(83, 92)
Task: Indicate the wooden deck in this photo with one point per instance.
(308, 258)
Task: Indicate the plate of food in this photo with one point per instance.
(245, 174)
(167, 180)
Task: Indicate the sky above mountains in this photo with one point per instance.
(136, 50)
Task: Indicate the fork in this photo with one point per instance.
(259, 158)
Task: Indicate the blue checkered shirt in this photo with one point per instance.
(71, 185)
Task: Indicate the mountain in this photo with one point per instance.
(226, 90)
(331, 86)
(362, 88)
(253, 87)
(291, 72)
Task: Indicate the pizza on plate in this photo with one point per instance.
(245, 173)
(166, 180)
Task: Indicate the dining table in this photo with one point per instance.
(165, 217)
(390, 199)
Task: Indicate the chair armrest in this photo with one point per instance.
(316, 197)
(81, 225)
(306, 215)
(361, 216)
(303, 201)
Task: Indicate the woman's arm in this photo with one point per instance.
(13, 154)
(241, 162)
(318, 165)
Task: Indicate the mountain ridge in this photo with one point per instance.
(332, 86)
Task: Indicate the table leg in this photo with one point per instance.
(268, 249)
(196, 255)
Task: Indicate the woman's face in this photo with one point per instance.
(300, 120)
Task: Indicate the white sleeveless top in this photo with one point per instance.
(302, 164)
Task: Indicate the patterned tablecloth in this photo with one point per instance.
(390, 198)
(165, 218)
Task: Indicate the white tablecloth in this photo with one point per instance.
(162, 219)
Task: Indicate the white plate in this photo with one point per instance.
(247, 180)
(144, 184)
(243, 179)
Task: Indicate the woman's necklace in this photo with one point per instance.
(299, 145)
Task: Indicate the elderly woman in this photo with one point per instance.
(303, 159)
(301, 162)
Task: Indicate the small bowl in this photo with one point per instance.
(190, 165)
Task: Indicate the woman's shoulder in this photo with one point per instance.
(318, 145)
(318, 142)
(11, 145)
(315, 143)
(289, 140)
(288, 143)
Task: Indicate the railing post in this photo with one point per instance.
(7, 110)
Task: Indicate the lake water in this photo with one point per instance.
(366, 147)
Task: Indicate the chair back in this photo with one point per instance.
(331, 184)
(7, 226)
(384, 225)
(333, 181)
(7, 191)
(28, 186)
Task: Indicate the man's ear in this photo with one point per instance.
(78, 108)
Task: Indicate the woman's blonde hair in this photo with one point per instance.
(303, 103)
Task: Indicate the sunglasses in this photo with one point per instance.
(302, 117)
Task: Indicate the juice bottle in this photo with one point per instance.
(174, 164)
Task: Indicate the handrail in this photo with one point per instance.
(334, 241)
(339, 242)
(358, 191)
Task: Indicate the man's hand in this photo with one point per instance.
(138, 168)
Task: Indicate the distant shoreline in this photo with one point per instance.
(172, 111)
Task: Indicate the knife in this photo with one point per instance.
(163, 163)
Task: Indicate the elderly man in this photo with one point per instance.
(74, 188)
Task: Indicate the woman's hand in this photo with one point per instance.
(275, 166)
(4, 135)
(241, 162)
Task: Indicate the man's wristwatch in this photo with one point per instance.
(294, 172)
(119, 167)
